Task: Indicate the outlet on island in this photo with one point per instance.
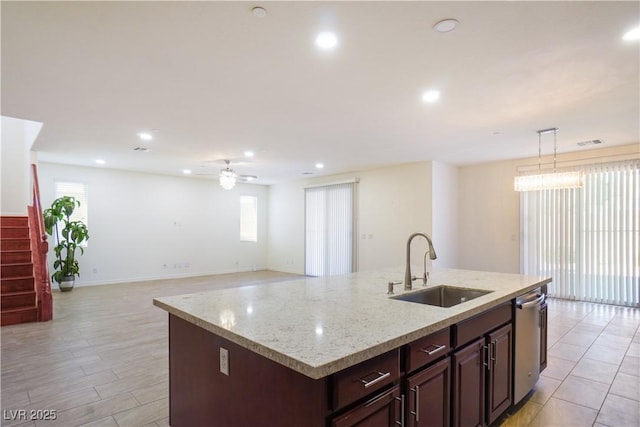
(224, 360)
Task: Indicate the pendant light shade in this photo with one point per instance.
(548, 180)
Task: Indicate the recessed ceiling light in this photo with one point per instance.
(259, 12)
(186, 171)
(145, 136)
(326, 40)
(319, 165)
(431, 96)
(100, 162)
(446, 25)
(249, 154)
(633, 34)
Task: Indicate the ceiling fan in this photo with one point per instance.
(228, 177)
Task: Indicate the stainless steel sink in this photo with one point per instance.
(443, 296)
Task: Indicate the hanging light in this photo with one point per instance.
(227, 177)
(548, 180)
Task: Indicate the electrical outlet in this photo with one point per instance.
(224, 360)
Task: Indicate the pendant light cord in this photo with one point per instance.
(539, 151)
(555, 148)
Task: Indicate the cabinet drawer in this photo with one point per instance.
(477, 326)
(382, 410)
(428, 349)
(361, 380)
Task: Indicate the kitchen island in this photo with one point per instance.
(308, 352)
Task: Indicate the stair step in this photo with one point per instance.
(15, 244)
(14, 232)
(13, 300)
(14, 221)
(15, 257)
(18, 315)
(16, 270)
(18, 284)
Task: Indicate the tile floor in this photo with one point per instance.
(103, 360)
(593, 373)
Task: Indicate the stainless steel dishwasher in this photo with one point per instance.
(527, 351)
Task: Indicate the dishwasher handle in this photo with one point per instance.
(532, 303)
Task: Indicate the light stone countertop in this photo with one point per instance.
(319, 326)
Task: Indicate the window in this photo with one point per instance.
(79, 191)
(248, 219)
(330, 230)
(587, 239)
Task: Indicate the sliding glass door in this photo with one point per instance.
(330, 229)
(587, 239)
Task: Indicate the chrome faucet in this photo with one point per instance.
(432, 255)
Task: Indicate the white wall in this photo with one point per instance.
(146, 226)
(15, 144)
(286, 228)
(392, 203)
(489, 233)
(489, 218)
(445, 214)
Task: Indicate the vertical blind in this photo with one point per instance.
(330, 230)
(587, 239)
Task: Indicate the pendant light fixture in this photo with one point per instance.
(548, 180)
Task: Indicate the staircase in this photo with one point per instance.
(18, 294)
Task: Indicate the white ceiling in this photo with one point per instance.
(214, 81)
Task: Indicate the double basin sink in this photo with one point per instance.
(442, 296)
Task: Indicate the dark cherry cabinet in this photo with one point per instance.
(468, 385)
(499, 365)
(483, 368)
(428, 395)
(543, 336)
(384, 409)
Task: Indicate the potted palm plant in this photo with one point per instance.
(68, 235)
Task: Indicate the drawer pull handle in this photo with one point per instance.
(435, 350)
(371, 383)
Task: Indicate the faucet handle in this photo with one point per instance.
(390, 286)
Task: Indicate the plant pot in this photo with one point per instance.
(66, 285)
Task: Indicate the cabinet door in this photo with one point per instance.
(382, 410)
(429, 396)
(499, 372)
(543, 336)
(468, 385)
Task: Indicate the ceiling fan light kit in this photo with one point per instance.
(227, 177)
